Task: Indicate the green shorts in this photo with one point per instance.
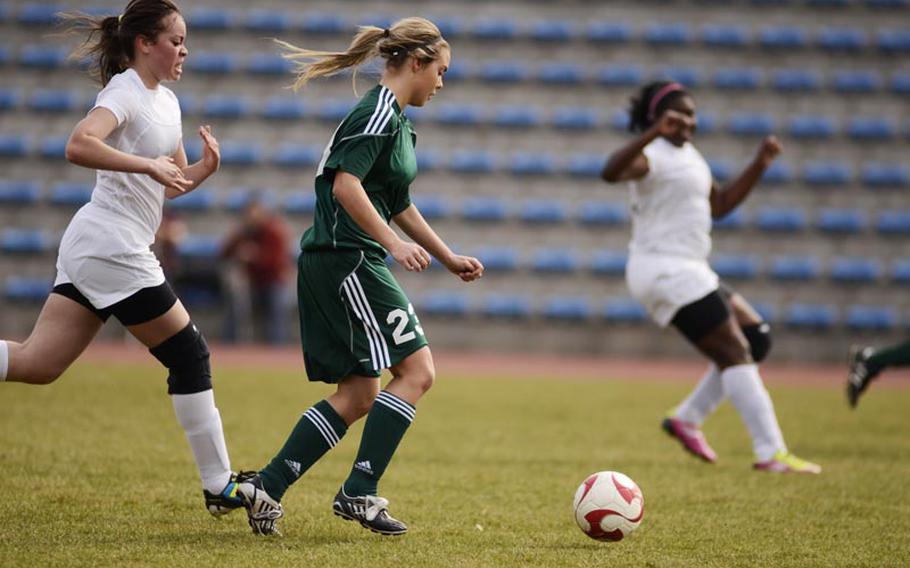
(354, 317)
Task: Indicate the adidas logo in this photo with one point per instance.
(293, 466)
(364, 466)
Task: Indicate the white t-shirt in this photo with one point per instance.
(148, 125)
(670, 207)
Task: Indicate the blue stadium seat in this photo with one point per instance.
(517, 116)
(261, 20)
(871, 318)
(444, 303)
(555, 260)
(23, 289)
(25, 241)
(900, 83)
(894, 222)
(472, 162)
(504, 71)
(781, 219)
(54, 101)
(552, 30)
(200, 247)
(841, 221)
(619, 120)
(284, 108)
(609, 31)
(300, 203)
(707, 122)
(893, 40)
(722, 169)
(734, 220)
(459, 70)
(609, 262)
(484, 209)
(751, 124)
(213, 62)
(900, 271)
(603, 213)
(508, 306)
(202, 199)
(428, 160)
(528, 164)
(824, 173)
(13, 145)
(725, 35)
(69, 194)
(829, 3)
(210, 19)
(795, 268)
(450, 27)
(42, 56)
(433, 206)
(857, 81)
(811, 316)
(567, 308)
(842, 39)
(811, 126)
(295, 155)
(495, 29)
(561, 73)
(669, 34)
(328, 23)
(738, 78)
(585, 165)
(240, 153)
(619, 75)
(575, 118)
(19, 192)
(783, 37)
(6, 56)
(543, 211)
(780, 172)
(239, 198)
(887, 4)
(736, 266)
(459, 114)
(226, 106)
(39, 14)
(498, 258)
(871, 128)
(796, 80)
(689, 76)
(855, 270)
(768, 312)
(624, 310)
(53, 147)
(878, 174)
(269, 64)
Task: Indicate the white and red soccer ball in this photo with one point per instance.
(608, 506)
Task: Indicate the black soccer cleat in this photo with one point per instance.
(370, 511)
(262, 510)
(219, 504)
(859, 373)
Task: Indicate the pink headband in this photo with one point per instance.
(655, 100)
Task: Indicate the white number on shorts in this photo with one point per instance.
(399, 318)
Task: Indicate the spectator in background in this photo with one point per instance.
(167, 240)
(258, 291)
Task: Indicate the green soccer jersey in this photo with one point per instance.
(375, 142)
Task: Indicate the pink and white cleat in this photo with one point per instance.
(690, 436)
(785, 462)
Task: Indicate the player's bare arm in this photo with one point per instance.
(726, 199)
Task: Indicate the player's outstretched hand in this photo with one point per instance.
(411, 256)
(769, 150)
(467, 268)
(165, 171)
(211, 152)
(671, 122)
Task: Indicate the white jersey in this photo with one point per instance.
(671, 210)
(105, 252)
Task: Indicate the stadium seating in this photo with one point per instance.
(23, 289)
(68, 194)
(567, 308)
(811, 316)
(18, 192)
(444, 303)
(555, 260)
(25, 241)
(795, 268)
(841, 221)
(623, 310)
(507, 306)
(871, 318)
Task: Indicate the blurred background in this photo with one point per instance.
(509, 156)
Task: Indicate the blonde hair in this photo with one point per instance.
(409, 37)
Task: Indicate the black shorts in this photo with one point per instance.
(143, 306)
(701, 317)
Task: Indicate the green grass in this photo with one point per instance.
(95, 471)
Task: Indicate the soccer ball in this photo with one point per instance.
(608, 506)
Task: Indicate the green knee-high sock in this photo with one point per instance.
(891, 356)
(387, 422)
(318, 431)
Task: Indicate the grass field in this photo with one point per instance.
(94, 471)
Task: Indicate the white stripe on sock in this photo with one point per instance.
(319, 422)
(401, 407)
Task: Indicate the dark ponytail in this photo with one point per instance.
(644, 110)
(111, 40)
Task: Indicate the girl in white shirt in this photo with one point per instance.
(133, 138)
(673, 201)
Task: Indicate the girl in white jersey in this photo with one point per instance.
(674, 199)
(133, 137)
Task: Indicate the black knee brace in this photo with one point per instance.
(759, 336)
(186, 357)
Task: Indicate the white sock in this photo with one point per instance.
(703, 399)
(201, 423)
(4, 360)
(744, 386)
